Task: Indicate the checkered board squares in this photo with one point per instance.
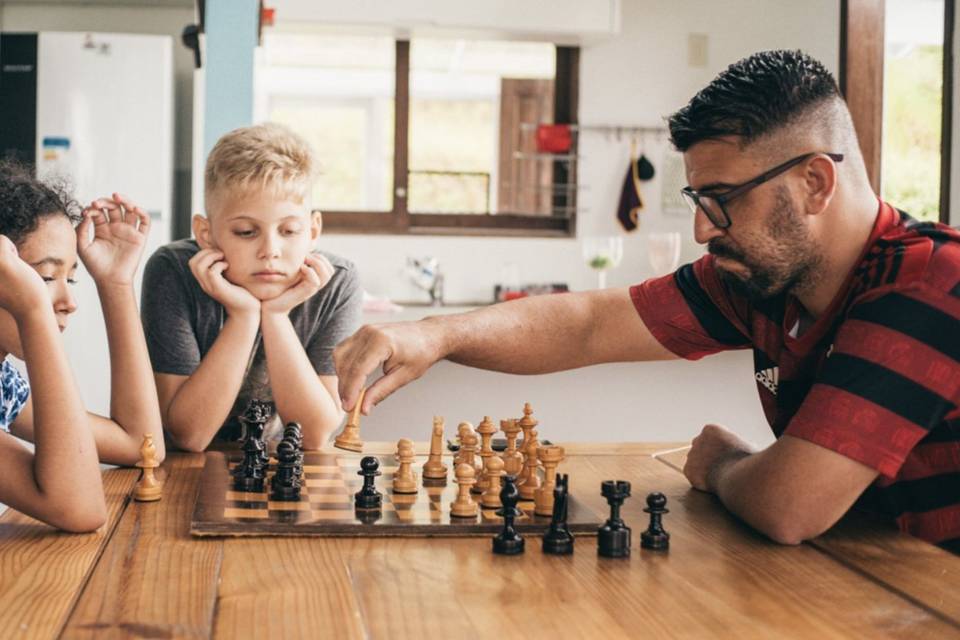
(326, 506)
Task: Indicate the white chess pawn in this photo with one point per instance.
(491, 495)
(464, 506)
(404, 480)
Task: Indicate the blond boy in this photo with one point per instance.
(249, 310)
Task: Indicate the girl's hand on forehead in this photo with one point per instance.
(207, 267)
(315, 272)
(23, 289)
(112, 252)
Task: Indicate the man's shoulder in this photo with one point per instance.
(913, 253)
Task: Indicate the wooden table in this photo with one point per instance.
(143, 575)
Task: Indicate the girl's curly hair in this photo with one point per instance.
(25, 201)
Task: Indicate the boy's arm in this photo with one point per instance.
(194, 407)
(299, 393)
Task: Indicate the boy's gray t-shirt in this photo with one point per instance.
(181, 323)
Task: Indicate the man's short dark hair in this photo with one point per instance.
(753, 97)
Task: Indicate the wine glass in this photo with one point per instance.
(663, 250)
(602, 253)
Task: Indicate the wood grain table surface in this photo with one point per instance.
(143, 575)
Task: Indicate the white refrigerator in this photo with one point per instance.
(104, 118)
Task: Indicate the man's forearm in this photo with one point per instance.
(297, 390)
(529, 336)
(747, 486)
(202, 404)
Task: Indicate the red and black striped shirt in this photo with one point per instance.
(876, 378)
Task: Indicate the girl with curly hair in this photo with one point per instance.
(40, 248)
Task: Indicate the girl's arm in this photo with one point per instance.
(60, 483)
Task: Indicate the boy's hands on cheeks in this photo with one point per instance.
(208, 266)
(120, 230)
(315, 272)
(23, 289)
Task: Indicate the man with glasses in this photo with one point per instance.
(851, 308)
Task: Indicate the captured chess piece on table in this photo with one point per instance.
(368, 497)
(613, 538)
(349, 438)
(655, 537)
(148, 487)
(508, 542)
(434, 468)
(558, 540)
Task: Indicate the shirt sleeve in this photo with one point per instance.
(890, 377)
(689, 312)
(14, 391)
(166, 306)
(340, 322)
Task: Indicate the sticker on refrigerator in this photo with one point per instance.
(55, 149)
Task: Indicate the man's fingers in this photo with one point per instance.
(355, 360)
(386, 385)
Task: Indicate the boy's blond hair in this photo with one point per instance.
(266, 158)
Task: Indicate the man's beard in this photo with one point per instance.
(789, 266)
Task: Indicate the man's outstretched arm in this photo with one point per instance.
(528, 336)
(791, 491)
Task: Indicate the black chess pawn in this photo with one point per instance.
(285, 485)
(509, 541)
(368, 497)
(613, 538)
(558, 540)
(248, 475)
(656, 537)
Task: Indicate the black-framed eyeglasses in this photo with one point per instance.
(713, 205)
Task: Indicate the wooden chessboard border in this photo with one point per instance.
(222, 511)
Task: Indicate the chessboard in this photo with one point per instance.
(326, 505)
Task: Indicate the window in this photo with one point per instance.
(427, 136)
(338, 93)
(896, 73)
(913, 99)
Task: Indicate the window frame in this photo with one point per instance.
(399, 220)
(861, 83)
